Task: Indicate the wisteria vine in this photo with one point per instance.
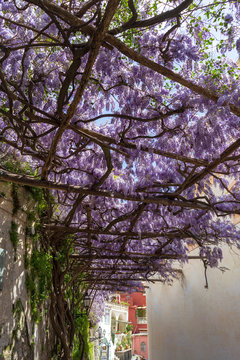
(127, 112)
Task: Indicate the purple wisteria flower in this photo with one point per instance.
(228, 18)
(238, 45)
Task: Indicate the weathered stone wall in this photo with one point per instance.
(20, 337)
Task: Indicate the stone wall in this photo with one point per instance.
(20, 337)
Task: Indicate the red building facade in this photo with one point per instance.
(138, 318)
(140, 345)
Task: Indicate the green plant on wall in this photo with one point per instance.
(38, 281)
(14, 238)
(81, 339)
(113, 337)
(124, 342)
(15, 199)
(129, 327)
(18, 335)
(75, 294)
(129, 338)
(141, 313)
(41, 261)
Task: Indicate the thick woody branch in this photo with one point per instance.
(199, 176)
(134, 55)
(155, 20)
(71, 230)
(162, 200)
(132, 256)
(44, 184)
(95, 45)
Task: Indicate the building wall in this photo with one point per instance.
(137, 339)
(114, 320)
(105, 325)
(20, 337)
(135, 300)
(186, 321)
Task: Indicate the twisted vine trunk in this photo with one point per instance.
(60, 315)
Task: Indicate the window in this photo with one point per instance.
(107, 316)
(141, 315)
(143, 346)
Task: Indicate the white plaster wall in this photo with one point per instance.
(188, 322)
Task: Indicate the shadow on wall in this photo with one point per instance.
(20, 338)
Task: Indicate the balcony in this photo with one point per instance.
(124, 354)
(118, 307)
(141, 320)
